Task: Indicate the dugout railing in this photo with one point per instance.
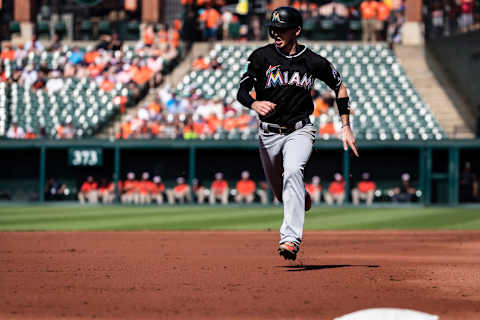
(435, 166)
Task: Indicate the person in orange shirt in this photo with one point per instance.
(148, 36)
(199, 190)
(29, 135)
(314, 189)
(174, 37)
(245, 189)
(368, 9)
(199, 63)
(107, 84)
(104, 191)
(8, 53)
(163, 37)
(130, 189)
(211, 20)
(145, 188)
(158, 188)
(383, 13)
(126, 128)
(88, 191)
(219, 189)
(336, 190)
(180, 192)
(365, 190)
(328, 128)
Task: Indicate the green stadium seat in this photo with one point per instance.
(104, 27)
(14, 27)
(60, 28)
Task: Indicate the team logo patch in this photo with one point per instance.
(271, 69)
(276, 17)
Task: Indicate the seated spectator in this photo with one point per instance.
(56, 44)
(365, 190)
(115, 43)
(55, 82)
(15, 131)
(29, 76)
(314, 189)
(468, 185)
(30, 135)
(328, 128)
(55, 190)
(214, 64)
(262, 192)
(145, 189)
(88, 191)
(336, 190)
(180, 192)
(199, 190)
(8, 53)
(65, 131)
(126, 130)
(158, 189)
(199, 63)
(245, 189)
(130, 190)
(106, 191)
(34, 44)
(405, 192)
(219, 189)
(148, 36)
(76, 56)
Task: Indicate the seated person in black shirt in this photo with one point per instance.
(468, 185)
(404, 193)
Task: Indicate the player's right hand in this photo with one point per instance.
(263, 107)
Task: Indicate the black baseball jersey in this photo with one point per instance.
(286, 81)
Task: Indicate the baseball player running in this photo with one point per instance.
(282, 74)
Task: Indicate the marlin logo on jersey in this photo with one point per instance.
(275, 77)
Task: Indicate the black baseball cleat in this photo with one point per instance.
(288, 250)
(308, 201)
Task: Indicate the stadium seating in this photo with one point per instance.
(3, 109)
(80, 101)
(386, 105)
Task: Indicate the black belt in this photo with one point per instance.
(287, 129)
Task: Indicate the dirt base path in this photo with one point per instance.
(225, 275)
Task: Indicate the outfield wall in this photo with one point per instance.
(434, 166)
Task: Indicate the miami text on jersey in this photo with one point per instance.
(275, 77)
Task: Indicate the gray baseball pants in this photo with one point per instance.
(284, 157)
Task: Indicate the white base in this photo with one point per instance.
(388, 314)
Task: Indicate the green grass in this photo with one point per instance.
(55, 217)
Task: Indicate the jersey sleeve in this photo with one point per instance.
(324, 70)
(251, 69)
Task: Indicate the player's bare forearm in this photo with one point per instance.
(342, 91)
(348, 138)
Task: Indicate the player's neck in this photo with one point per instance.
(290, 49)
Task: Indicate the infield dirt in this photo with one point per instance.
(236, 275)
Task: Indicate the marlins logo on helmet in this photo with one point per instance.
(276, 16)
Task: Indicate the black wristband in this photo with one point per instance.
(343, 105)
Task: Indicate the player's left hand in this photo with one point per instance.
(349, 140)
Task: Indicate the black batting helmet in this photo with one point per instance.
(285, 17)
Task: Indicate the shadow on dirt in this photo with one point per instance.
(307, 267)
